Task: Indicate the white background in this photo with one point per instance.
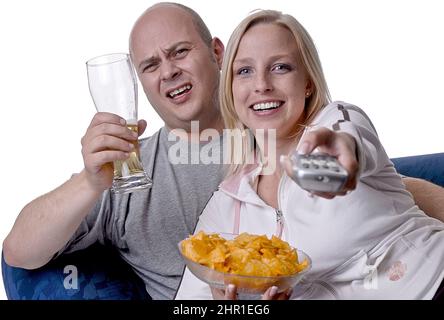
(385, 56)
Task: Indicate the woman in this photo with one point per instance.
(371, 243)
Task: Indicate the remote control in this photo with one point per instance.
(316, 172)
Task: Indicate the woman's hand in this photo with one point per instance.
(338, 144)
(230, 293)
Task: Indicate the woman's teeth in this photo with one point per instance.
(266, 106)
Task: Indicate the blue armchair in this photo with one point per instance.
(102, 275)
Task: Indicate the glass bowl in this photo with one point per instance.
(245, 284)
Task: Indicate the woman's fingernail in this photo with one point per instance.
(230, 288)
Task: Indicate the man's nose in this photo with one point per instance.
(263, 83)
(169, 71)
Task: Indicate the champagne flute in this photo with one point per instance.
(113, 87)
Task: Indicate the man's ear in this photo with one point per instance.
(218, 50)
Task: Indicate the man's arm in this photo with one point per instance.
(428, 196)
(47, 223)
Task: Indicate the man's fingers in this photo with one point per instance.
(108, 129)
(102, 143)
(141, 126)
(95, 161)
(106, 117)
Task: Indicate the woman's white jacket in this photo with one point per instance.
(373, 243)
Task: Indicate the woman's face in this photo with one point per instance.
(269, 82)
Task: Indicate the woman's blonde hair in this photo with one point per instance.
(319, 97)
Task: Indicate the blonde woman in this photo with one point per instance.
(369, 241)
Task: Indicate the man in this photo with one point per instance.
(178, 64)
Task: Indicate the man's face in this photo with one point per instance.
(178, 71)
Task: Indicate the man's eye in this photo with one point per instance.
(150, 68)
(181, 52)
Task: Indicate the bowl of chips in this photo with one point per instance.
(253, 263)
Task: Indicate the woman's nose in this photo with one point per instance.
(263, 84)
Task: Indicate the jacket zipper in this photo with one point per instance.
(327, 287)
(279, 213)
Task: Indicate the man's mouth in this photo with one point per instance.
(175, 93)
(263, 106)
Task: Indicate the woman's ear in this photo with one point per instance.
(218, 50)
(308, 88)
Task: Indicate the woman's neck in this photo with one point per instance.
(270, 153)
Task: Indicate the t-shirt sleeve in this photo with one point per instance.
(95, 227)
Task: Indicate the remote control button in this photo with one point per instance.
(324, 179)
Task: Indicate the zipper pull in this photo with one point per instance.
(280, 223)
(279, 216)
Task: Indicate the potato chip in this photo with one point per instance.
(247, 254)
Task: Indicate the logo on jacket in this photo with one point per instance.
(397, 271)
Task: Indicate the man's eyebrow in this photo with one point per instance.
(167, 51)
(148, 61)
(175, 45)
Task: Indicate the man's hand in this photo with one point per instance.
(107, 139)
(337, 144)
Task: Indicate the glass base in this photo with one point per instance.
(138, 181)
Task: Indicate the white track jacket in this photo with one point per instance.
(373, 243)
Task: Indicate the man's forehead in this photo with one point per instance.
(152, 35)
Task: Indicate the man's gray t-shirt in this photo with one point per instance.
(145, 226)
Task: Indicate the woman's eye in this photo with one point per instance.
(243, 71)
(281, 67)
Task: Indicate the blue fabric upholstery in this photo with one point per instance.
(102, 275)
(429, 167)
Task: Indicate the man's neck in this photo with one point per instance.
(194, 130)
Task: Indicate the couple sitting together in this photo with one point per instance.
(271, 82)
